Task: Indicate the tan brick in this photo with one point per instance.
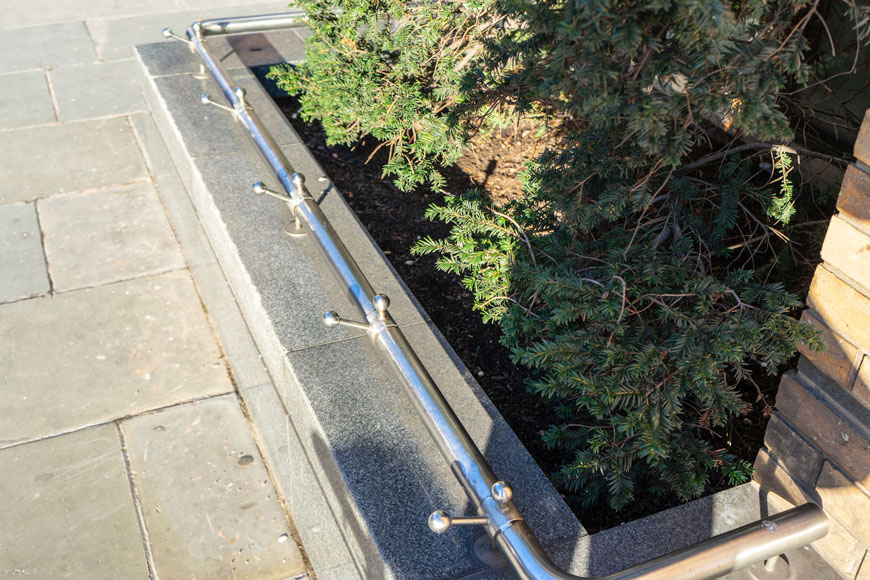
(844, 500)
(840, 307)
(848, 250)
(861, 388)
(838, 356)
(774, 479)
(793, 452)
(854, 200)
(862, 144)
(841, 549)
(810, 414)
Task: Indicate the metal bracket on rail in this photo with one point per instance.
(236, 110)
(381, 302)
(260, 188)
(440, 521)
(167, 33)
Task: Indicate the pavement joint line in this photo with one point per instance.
(31, 297)
(137, 504)
(84, 64)
(137, 181)
(348, 338)
(52, 94)
(113, 282)
(113, 420)
(42, 245)
(37, 126)
(24, 70)
(87, 120)
(75, 122)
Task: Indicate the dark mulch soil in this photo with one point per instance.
(396, 221)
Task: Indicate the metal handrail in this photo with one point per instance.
(706, 560)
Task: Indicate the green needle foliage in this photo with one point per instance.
(632, 274)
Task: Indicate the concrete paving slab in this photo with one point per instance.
(40, 161)
(42, 46)
(98, 237)
(25, 100)
(97, 90)
(22, 264)
(114, 39)
(209, 507)
(91, 356)
(42, 11)
(68, 510)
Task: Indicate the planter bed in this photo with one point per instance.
(355, 467)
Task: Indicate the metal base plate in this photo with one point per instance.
(294, 232)
(486, 553)
(781, 571)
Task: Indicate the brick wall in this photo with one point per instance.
(818, 441)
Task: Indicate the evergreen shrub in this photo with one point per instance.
(634, 273)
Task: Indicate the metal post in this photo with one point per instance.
(492, 498)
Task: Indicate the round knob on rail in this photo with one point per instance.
(240, 93)
(259, 187)
(501, 492)
(206, 100)
(381, 302)
(440, 522)
(331, 319)
(298, 179)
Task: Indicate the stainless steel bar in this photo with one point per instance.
(504, 523)
(248, 24)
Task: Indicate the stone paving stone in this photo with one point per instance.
(95, 355)
(42, 46)
(17, 14)
(22, 264)
(97, 90)
(98, 237)
(114, 39)
(209, 507)
(40, 161)
(26, 100)
(67, 510)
